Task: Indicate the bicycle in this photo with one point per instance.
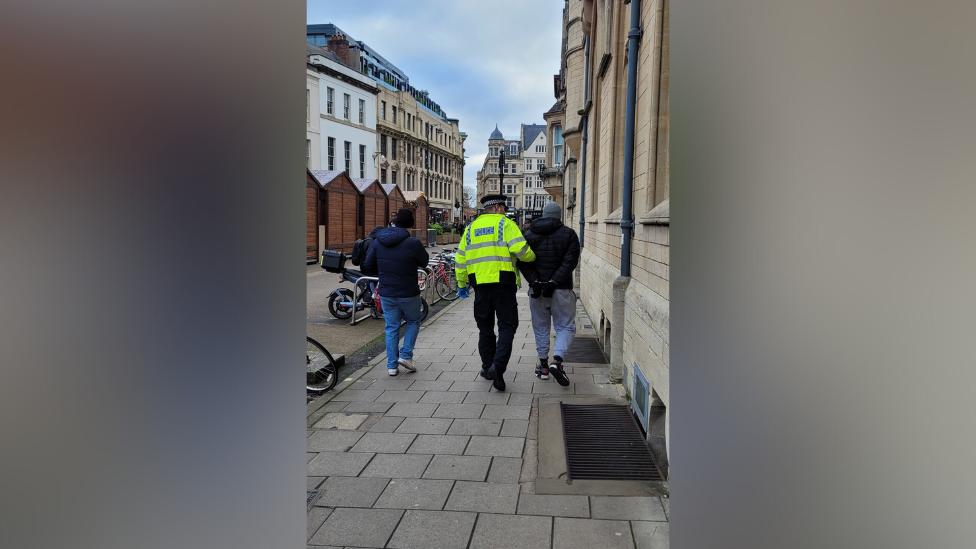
(445, 279)
(440, 272)
(321, 372)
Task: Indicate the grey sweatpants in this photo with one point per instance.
(559, 312)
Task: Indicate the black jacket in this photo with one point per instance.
(557, 252)
(396, 256)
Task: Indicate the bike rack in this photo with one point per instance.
(356, 295)
(429, 294)
(355, 298)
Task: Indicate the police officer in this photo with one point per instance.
(486, 260)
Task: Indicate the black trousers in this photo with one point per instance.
(493, 301)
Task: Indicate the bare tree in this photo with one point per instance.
(468, 196)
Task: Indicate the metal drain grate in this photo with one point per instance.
(603, 442)
(312, 494)
(585, 349)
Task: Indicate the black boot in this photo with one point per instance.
(496, 379)
(557, 371)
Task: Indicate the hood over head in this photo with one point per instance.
(391, 236)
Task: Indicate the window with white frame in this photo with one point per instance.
(348, 151)
(510, 201)
(509, 189)
(528, 164)
(540, 148)
(345, 106)
(332, 153)
(329, 101)
(362, 111)
(383, 110)
(362, 161)
(557, 145)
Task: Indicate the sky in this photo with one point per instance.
(484, 63)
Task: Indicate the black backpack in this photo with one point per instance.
(359, 250)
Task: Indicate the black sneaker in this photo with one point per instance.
(485, 373)
(557, 371)
(497, 382)
(542, 370)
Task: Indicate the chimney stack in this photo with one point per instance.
(339, 45)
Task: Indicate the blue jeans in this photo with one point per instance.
(394, 310)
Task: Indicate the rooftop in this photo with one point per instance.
(324, 177)
(530, 132)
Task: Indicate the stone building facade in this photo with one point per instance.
(505, 178)
(403, 127)
(519, 178)
(631, 313)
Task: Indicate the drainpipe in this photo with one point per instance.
(622, 282)
(627, 219)
(586, 117)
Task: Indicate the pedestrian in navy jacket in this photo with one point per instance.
(395, 256)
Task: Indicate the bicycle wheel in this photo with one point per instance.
(341, 311)
(321, 371)
(424, 308)
(446, 285)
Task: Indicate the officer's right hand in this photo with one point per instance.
(463, 292)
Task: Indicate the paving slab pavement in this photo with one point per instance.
(437, 458)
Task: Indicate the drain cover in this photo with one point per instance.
(585, 349)
(312, 494)
(603, 442)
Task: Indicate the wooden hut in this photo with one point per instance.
(312, 215)
(417, 202)
(338, 207)
(394, 200)
(372, 204)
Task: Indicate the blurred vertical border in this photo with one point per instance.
(152, 288)
(822, 251)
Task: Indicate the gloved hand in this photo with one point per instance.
(548, 288)
(463, 292)
(535, 289)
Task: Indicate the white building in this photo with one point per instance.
(534, 195)
(340, 116)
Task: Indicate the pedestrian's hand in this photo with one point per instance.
(548, 288)
(463, 292)
(535, 289)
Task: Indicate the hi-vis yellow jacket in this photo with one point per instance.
(488, 251)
